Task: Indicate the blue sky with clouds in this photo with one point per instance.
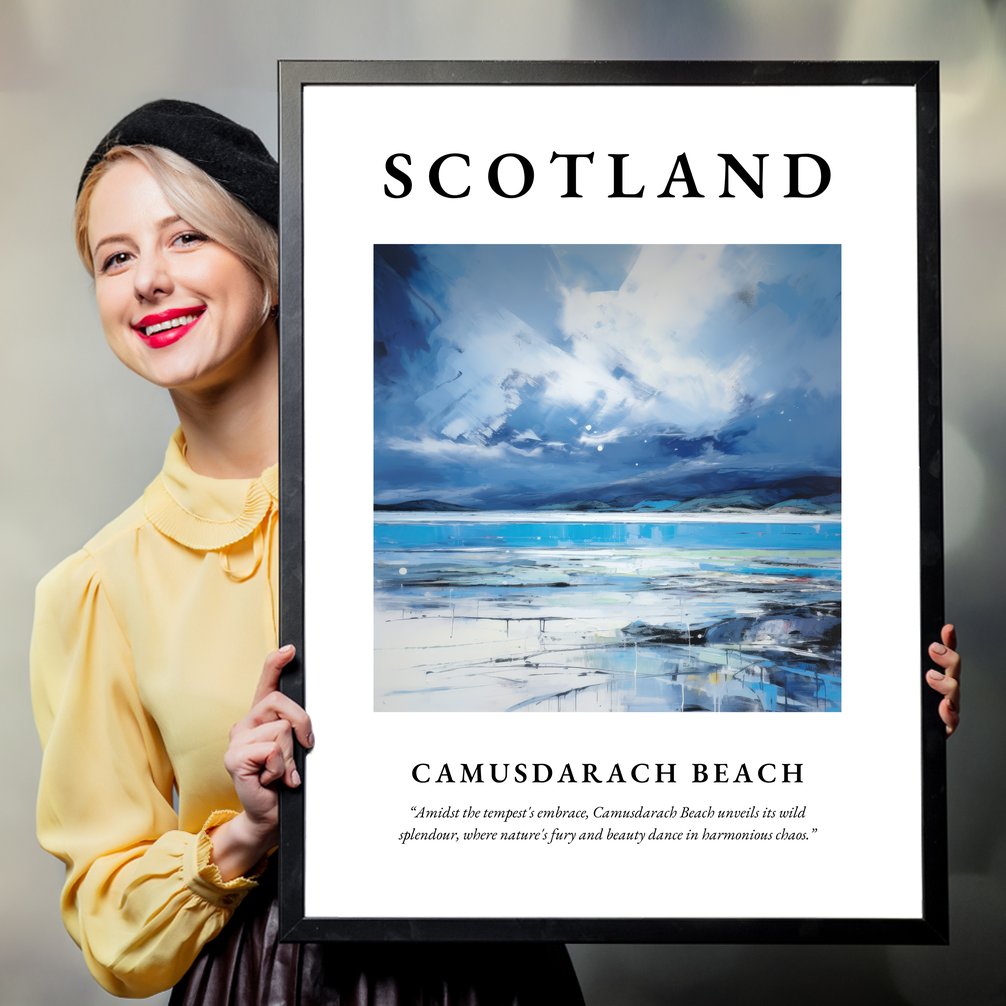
(511, 376)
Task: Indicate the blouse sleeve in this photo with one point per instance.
(141, 898)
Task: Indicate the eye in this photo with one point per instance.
(189, 239)
(115, 261)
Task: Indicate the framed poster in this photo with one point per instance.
(610, 394)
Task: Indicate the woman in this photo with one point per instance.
(148, 643)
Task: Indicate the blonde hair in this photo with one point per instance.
(199, 200)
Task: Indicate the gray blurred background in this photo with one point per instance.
(82, 436)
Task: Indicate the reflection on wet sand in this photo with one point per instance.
(609, 627)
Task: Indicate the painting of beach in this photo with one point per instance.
(607, 478)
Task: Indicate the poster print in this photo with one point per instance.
(590, 491)
(724, 276)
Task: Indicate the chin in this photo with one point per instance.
(176, 382)
(169, 374)
(171, 367)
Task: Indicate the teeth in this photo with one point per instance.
(174, 323)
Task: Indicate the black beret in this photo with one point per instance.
(231, 154)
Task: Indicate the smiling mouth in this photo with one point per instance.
(185, 319)
(167, 321)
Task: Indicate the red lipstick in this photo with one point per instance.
(165, 332)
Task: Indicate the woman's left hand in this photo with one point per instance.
(948, 681)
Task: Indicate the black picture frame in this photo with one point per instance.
(932, 926)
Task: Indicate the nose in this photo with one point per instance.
(152, 276)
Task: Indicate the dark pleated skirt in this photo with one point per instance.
(246, 965)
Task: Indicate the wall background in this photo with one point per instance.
(82, 436)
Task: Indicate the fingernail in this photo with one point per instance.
(310, 740)
(295, 777)
(287, 649)
(936, 675)
(938, 648)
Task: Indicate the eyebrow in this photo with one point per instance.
(111, 238)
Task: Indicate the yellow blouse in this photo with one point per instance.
(147, 647)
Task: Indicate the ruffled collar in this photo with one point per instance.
(203, 513)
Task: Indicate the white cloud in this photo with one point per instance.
(649, 355)
(460, 451)
(609, 437)
(648, 328)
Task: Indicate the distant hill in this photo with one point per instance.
(577, 505)
(808, 494)
(811, 494)
(425, 505)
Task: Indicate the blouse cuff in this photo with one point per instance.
(202, 876)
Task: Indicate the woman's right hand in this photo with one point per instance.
(260, 753)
